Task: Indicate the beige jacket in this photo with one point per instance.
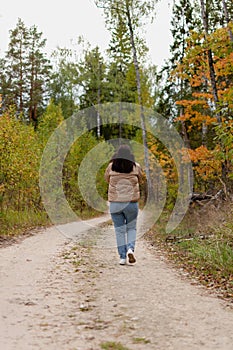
(123, 187)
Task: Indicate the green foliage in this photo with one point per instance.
(20, 153)
(224, 137)
(142, 10)
(90, 177)
(49, 121)
(21, 149)
(64, 82)
(213, 255)
(92, 78)
(223, 152)
(141, 341)
(20, 158)
(17, 222)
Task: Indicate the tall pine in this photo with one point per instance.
(25, 71)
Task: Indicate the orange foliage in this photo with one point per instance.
(199, 108)
(158, 154)
(205, 164)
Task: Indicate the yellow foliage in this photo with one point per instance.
(205, 164)
(20, 159)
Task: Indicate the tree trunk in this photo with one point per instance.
(98, 114)
(21, 104)
(185, 134)
(120, 123)
(98, 102)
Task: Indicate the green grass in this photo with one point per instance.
(213, 255)
(141, 341)
(17, 222)
(110, 345)
(13, 223)
(88, 213)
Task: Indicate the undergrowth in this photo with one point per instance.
(13, 223)
(202, 245)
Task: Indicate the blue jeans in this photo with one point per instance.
(124, 217)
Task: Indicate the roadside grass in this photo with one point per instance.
(88, 213)
(15, 223)
(202, 245)
(110, 345)
(141, 341)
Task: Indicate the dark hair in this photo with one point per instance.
(123, 160)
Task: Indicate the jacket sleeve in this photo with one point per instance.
(107, 173)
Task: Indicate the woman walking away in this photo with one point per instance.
(123, 175)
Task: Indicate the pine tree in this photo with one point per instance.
(120, 63)
(92, 79)
(39, 72)
(16, 67)
(25, 70)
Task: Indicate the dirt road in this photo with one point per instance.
(61, 294)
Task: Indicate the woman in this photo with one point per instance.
(123, 175)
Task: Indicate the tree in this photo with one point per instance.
(183, 21)
(92, 79)
(134, 13)
(204, 15)
(20, 159)
(120, 63)
(49, 121)
(15, 69)
(63, 86)
(197, 88)
(25, 71)
(39, 70)
(121, 78)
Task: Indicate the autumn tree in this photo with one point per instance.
(207, 68)
(19, 158)
(194, 87)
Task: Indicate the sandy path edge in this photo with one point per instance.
(56, 294)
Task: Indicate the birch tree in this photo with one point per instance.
(135, 13)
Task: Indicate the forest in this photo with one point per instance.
(193, 91)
